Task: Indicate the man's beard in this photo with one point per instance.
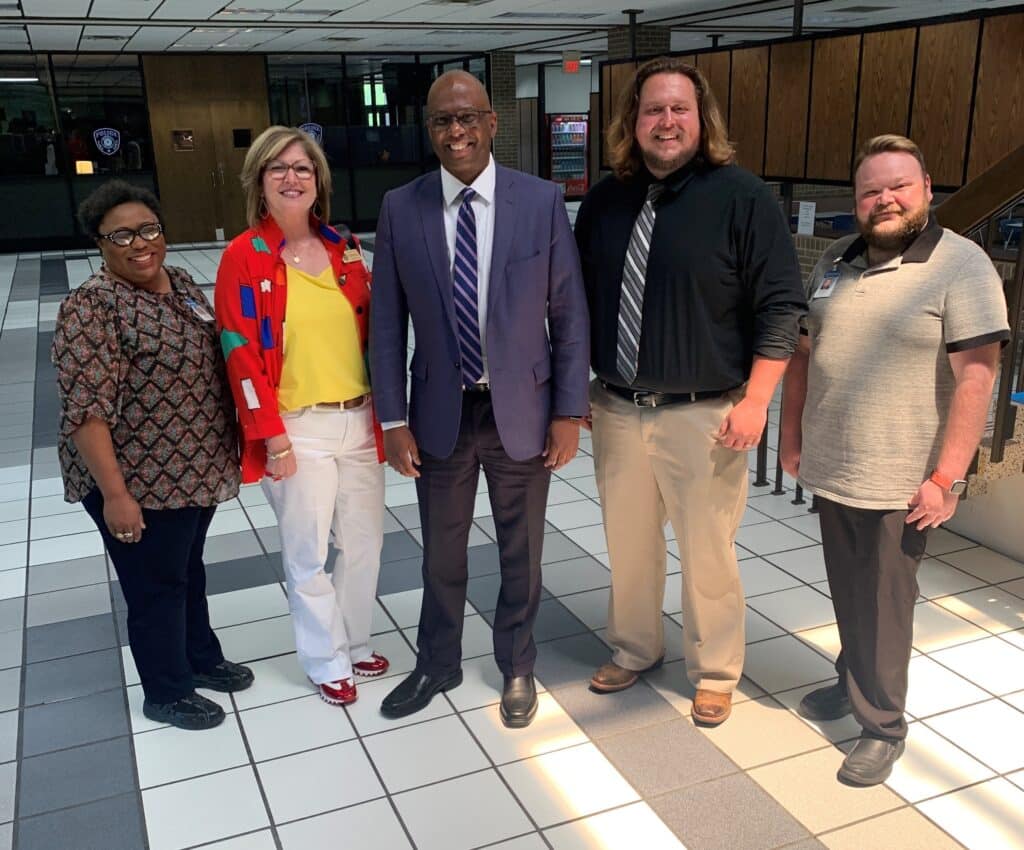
(911, 224)
(666, 165)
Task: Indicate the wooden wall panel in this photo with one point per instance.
(833, 101)
(715, 68)
(614, 78)
(999, 99)
(787, 109)
(942, 97)
(528, 140)
(748, 97)
(689, 59)
(885, 72)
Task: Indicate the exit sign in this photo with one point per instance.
(571, 62)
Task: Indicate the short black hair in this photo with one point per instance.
(111, 194)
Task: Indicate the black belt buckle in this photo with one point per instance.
(481, 387)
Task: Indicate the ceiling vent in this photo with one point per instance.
(549, 16)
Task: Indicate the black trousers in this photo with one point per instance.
(872, 558)
(163, 579)
(518, 493)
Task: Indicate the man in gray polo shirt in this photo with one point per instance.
(883, 407)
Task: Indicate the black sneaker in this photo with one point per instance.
(828, 703)
(191, 712)
(227, 677)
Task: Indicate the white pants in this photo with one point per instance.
(338, 489)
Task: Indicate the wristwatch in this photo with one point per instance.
(955, 486)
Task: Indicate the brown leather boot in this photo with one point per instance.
(711, 708)
(610, 677)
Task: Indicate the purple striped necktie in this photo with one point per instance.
(464, 277)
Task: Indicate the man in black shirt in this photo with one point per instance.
(694, 293)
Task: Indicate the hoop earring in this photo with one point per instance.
(318, 211)
(262, 211)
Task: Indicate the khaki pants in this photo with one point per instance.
(663, 463)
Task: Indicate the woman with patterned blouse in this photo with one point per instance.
(147, 444)
(302, 391)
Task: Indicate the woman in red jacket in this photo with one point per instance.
(303, 397)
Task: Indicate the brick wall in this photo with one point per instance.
(650, 41)
(503, 102)
(809, 250)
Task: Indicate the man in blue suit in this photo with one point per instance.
(482, 259)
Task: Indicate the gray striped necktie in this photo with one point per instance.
(631, 301)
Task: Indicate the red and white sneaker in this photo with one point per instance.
(342, 692)
(375, 665)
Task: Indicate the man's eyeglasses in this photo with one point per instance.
(123, 237)
(467, 118)
(278, 170)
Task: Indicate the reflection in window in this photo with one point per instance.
(28, 130)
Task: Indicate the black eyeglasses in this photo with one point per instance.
(466, 118)
(278, 170)
(123, 237)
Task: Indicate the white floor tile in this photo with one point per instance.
(936, 628)
(986, 564)
(313, 782)
(482, 683)
(533, 841)
(13, 556)
(807, 524)
(47, 487)
(934, 689)
(757, 627)
(228, 522)
(784, 663)
(989, 816)
(218, 806)
(795, 609)
(567, 784)
(245, 606)
(276, 679)
(988, 607)
(496, 814)
(65, 548)
(631, 826)
(590, 538)
(760, 577)
(824, 638)
(672, 600)
(286, 728)
(579, 467)
(992, 664)
(53, 505)
(771, 537)
(400, 494)
(404, 607)
(931, 765)
(169, 755)
(992, 732)
(942, 540)
(842, 729)
(16, 510)
(141, 723)
(262, 639)
(16, 531)
(365, 712)
(575, 515)
(552, 729)
(373, 824)
(262, 840)
(12, 583)
(424, 753)
(937, 578)
(806, 564)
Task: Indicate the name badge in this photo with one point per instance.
(199, 309)
(351, 255)
(827, 285)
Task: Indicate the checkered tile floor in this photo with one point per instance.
(80, 767)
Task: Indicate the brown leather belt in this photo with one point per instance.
(348, 404)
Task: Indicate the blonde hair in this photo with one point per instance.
(267, 147)
(888, 143)
(624, 153)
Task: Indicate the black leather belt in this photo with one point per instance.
(644, 398)
(481, 387)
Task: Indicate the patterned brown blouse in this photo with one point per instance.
(148, 365)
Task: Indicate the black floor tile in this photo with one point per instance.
(72, 637)
(398, 546)
(53, 277)
(114, 824)
(73, 722)
(78, 775)
(240, 573)
(67, 678)
(399, 576)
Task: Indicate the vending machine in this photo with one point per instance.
(568, 145)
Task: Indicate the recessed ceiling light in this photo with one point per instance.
(548, 16)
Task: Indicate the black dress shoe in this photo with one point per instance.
(518, 701)
(828, 703)
(189, 712)
(870, 761)
(416, 692)
(226, 677)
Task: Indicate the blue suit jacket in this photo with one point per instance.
(537, 319)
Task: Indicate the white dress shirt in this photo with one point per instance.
(483, 211)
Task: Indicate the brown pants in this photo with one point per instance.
(872, 558)
(663, 463)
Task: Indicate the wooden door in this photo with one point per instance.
(234, 125)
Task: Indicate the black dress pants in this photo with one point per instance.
(163, 579)
(871, 558)
(446, 490)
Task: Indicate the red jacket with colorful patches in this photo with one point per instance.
(250, 300)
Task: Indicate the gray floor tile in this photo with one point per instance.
(553, 621)
(575, 575)
(239, 573)
(398, 576)
(732, 813)
(601, 715)
(664, 757)
(8, 783)
(8, 735)
(66, 574)
(558, 547)
(398, 546)
(114, 824)
(71, 637)
(228, 547)
(10, 649)
(7, 836)
(407, 515)
(12, 614)
(69, 604)
(75, 776)
(67, 678)
(570, 661)
(10, 688)
(270, 538)
(483, 560)
(72, 722)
